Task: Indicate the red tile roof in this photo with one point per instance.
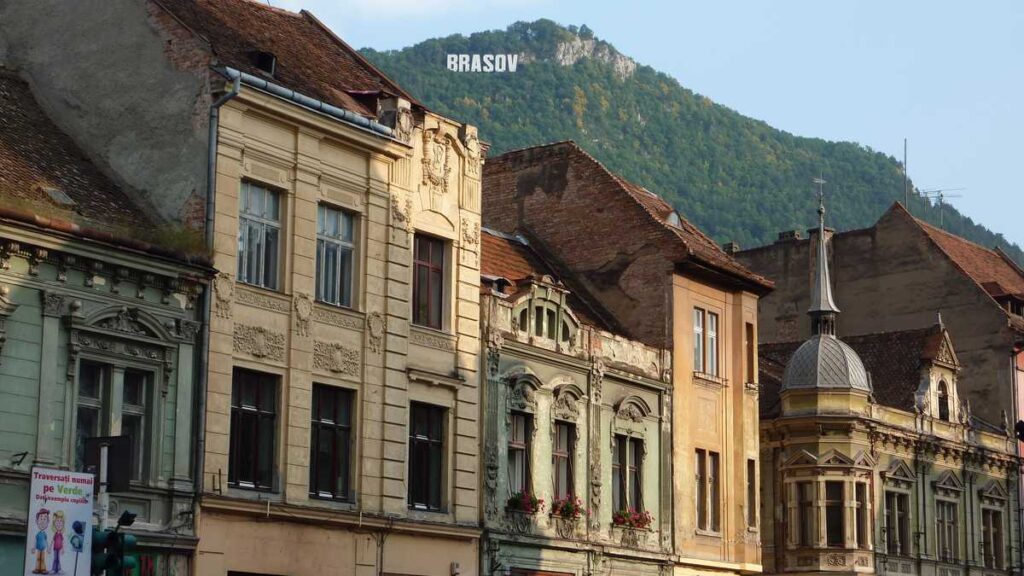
(310, 59)
(35, 156)
(990, 268)
(893, 359)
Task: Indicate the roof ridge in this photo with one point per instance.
(272, 8)
(537, 146)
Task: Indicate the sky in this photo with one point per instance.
(945, 75)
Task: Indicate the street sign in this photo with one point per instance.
(59, 535)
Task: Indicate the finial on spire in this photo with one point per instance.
(823, 307)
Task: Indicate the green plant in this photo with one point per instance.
(630, 518)
(524, 502)
(568, 508)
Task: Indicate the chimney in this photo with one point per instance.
(789, 236)
(731, 247)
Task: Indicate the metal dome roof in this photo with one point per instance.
(825, 362)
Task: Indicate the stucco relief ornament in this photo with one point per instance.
(188, 330)
(53, 303)
(470, 233)
(491, 482)
(437, 168)
(124, 321)
(303, 313)
(472, 144)
(403, 125)
(335, 357)
(223, 294)
(376, 324)
(522, 397)
(565, 408)
(495, 341)
(597, 376)
(401, 213)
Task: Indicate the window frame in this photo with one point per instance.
(707, 342)
(993, 549)
(897, 523)
(431, 267)
(752, 493)
(835, 510)
(439, 423)
(346, 290)
(947, 530)
(340, 467)
(524, 448)
(627, 464)
(248, 221)
(699, 353)
(258, 412)
(708, 493)
(568, 429)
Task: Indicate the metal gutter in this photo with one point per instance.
(345, 116)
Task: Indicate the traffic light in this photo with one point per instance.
(101, 545)
(124, 545)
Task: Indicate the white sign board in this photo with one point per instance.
(59, 539)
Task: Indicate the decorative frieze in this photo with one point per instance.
(260, 300)
(431, 340)
(337, 318)
(259, 342)
(335, 357)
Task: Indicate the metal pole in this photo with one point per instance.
(104, 498)
(906, 182)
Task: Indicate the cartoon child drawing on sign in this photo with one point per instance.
(58, 541)
(42, 522)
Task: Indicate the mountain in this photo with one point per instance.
(736, 177)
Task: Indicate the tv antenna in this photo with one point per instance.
(940, 195)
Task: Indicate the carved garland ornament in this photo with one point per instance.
(470, 233)
(335, 357)
(224, 294)
(303, 312)
(376, 324)
(401, 213)
(259, 342)
(437, 168)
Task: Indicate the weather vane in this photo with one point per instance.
(821, 196)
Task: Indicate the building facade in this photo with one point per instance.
(871, 459)
(665, 285)
(576, 428)
(98, 337)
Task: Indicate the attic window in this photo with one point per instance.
(673, 220)
(265, 61)
(58, 196)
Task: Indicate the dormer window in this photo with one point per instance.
(943, 401)
(265, 62)
(541, 317)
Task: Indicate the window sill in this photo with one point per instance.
(276, 291)
(431, 338)
(709, 533)
(711, 379)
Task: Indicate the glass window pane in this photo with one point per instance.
(273, 207)
(345, 297)
(90, 382)
(272, 250)
(347, 227)
(435, 299)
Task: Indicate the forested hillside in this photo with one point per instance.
(736, 177)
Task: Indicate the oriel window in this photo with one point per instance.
(805, 514)
(330, 459)
(835, 532)
(335, 244)
(253, 429)
(426, 455)
(259, 236)
(428, 282)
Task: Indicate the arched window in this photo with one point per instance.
(943, 401)
(544, 318)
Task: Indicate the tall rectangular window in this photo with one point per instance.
(708, 490)
(98, 413)
(335, 238)
(259, 236)
(253, 429)
(426, 455)
(562, 459)
(134, 399)
(750, 339)
(835, 529)
(805, 514)
(861, 502)
(698, 340)
(428, 282)
(992, 537)
(519, 453)
(627, 473)
(330, 447)
(897, 523)
(751, 493)
(946, 532)
(712, 351)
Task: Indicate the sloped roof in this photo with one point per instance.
(893, 360)
(310, 59)
(990, 268)
(36, 156)
(517, 260)
(657, 220)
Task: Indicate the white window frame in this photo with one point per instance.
(252, 221)
(698, 340)
(344, 249)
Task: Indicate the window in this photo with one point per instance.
(428, 282)
(946, 530)
(426, 456)
(861, 503)
(97, 406)
(627, 473)
(805, 514)
(698, 340)
(705, 342)
(133, 417)
(253, 429)
(943, 401)
(330, 448)
(562, 459)
(708, 491)
(835, 530)
(992, 537)
(335, 233)
(897, 523)
(549, 320)
(519, 453)
(259, 236)
(751, 492)
(750, 340)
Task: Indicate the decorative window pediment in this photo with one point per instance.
(899, 474)
(864, 460)
(835, 458)
(949, 484)
(802, 458)
(630, 413)
(566, 405)
(993, 493)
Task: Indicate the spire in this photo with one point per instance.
(823, 308)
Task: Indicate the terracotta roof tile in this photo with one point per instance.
(990, 268)
(35, 156)
(893, 359)
(309, 57)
